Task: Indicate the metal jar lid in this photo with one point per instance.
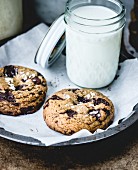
(52, 45)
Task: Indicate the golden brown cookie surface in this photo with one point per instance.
(22, 90)
(70, 110)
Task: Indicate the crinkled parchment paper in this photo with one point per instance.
(21, 51)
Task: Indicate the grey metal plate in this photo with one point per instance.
(123, 124)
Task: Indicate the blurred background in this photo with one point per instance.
(18, 16)
(36, 11)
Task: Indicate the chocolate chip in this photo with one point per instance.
(19, 87)
(36, 80)
(73, 90)
(40, 92)
(10, 71)
(99, 101)
(106, 111)
(55, 97)
(39, 74)
(44, 84)
(27, 110)
(7, 96)
(70, 112)
(23, 80)
(74, 103)
(10, 97)
(83, 100)
(71, 132)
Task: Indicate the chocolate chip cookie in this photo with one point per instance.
(70, 110)
(22, 90)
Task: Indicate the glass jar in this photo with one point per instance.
(11, 18)
(93, 41)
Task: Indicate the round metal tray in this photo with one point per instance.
(122, 124)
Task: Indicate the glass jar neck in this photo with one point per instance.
(91, 24)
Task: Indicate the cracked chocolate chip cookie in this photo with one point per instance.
(22, 90)
(70, 110)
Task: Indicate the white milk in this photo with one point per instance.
(92, 53)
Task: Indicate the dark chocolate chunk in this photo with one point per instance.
(44, 84)
(36, 80)
(73, 90)
(71, 132)
(74, 103)
(39, 74)
(40, 92)
(10, 97)
(10, 71)
(7, 96)
(100, 100)
(32, 93)
(55, 97)
(83, 100)
(106, 111)
(27, 110)
(70, 112)
(23, 80)
(19, 87)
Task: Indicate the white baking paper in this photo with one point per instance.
(21, 50)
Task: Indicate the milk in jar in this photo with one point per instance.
(93, 40)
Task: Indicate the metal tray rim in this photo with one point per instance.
(77, 141)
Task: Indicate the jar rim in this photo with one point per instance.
(121, 13)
